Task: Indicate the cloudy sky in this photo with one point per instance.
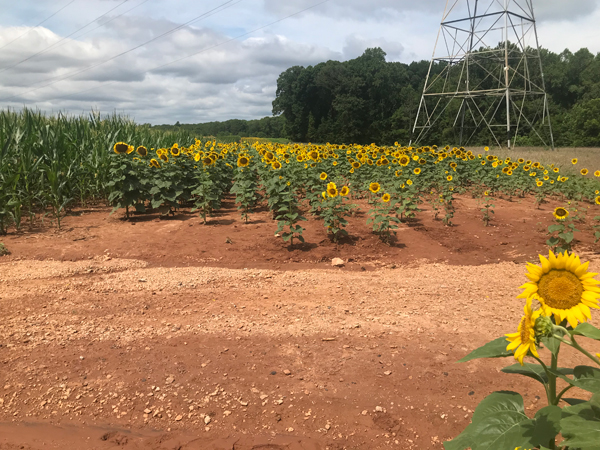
(203, 60)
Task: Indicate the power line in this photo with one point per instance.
(59, 78)
(35, 26)
(64, 38)
(205, 49)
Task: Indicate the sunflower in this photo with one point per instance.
(487, 149)
(345, 191)
(449, 178)
(355, 165)
(386, 198)
(374, 187)
(175, 151)
(597, 173)
(164, 157)
(539, 183)
(323, 176)
(121, 148)
(574, 161)
(524, 339)
(324, 194)
(409, 182)
(142, 151)
(155, 163)
(332, 191)
(584, 172)
(564, 287)
(207, 161)
(130, 149)
(276, 165)
(243, 161)
(417, 171)
(560, 213)
(403, 160)
(597, 200)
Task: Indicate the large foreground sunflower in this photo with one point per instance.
(564, 287)
(523, 340)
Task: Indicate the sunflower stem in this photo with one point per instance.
(563, 392)
(573, 343)
(548, 375)
(552, 378)
(583, 350)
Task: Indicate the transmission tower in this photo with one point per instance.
(485, 76)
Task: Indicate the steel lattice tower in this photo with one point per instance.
(486, 74)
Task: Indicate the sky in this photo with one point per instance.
(197, 61)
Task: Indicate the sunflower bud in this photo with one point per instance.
(543, 327)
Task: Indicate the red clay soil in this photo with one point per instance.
(169, 334)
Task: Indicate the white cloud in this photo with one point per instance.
(216, 79)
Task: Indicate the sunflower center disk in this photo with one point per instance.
(560, 289)
(524, 330)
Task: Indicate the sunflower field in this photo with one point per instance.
(51, 164)
(292, 179)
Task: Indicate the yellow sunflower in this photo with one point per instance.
(243, 161)
(417, 171)
(374, 187)
(276, 165)
(597, 199)
(155, 163)
(121, 148)
(403, 160)
(560, 213)
(584, 172)
(564, 287)
(142, 151)
(409, 182)
(539, 183)
(386, 198)
(524, 339)
(323, 176)
(345, 191)
(449, 178)
(574, 161)
(332, 191)
(130, 149)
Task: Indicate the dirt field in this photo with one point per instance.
(168, 334)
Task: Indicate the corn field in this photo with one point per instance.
(49, 163)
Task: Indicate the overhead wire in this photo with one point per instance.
(63, 39)
(40, 23)
(192, 54)
(59, 78)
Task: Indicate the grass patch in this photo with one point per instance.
(588, 158)
(3, 250)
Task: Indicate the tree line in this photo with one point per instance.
(368, 99)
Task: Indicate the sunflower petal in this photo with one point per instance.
(545, 264)
(582, 269)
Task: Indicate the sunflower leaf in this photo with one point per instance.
(552, 344)
(580, 425)
(493, 349)
(534, 371)
(573, 401)
(585, 377)
(587, 330)
(499, 422)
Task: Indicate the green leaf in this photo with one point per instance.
(552, 344)
(587, 330)
(499, 423)
(534, 371)
(588, 378)
(567, 237)
(493, 349)
(580, 425)
(573, 401)
(557, 227)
